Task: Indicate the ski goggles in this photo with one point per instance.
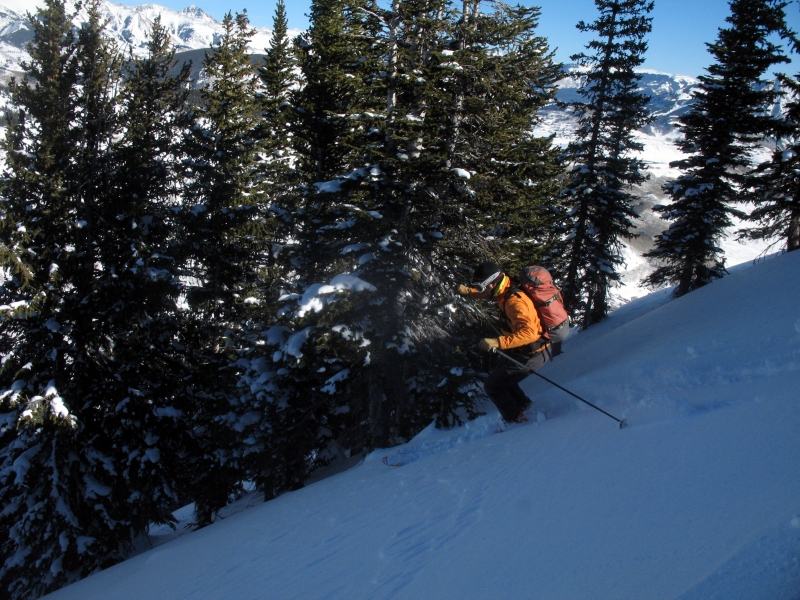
(481, 287)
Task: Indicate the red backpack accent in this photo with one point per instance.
(538, 284)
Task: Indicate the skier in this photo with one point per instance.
(522, 338)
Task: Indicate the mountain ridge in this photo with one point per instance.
(190, 29)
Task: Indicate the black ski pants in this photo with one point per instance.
(502, 386)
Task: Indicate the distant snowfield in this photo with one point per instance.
(698, 498)
(659, 151)
(671, 97)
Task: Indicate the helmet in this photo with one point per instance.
(485, 274)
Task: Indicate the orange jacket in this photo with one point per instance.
(521, 316)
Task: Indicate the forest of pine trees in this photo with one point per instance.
(204, 293)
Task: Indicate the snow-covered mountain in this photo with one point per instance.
(190, 29)
(698, 498)
(670, 98)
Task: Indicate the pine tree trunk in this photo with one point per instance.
(378, 419)
(685, 282)
(469, 10)
(571, 291)
(596, 305)
(793, 232)
(391, 88)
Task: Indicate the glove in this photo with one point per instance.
(463, 290)
(488, 344)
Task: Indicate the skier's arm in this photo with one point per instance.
(468, 292)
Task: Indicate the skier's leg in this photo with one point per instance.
(499, 391)
(533, 363)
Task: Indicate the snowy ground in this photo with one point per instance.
(698, 498)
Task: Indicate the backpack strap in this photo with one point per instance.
(505, 322)
(550, 301)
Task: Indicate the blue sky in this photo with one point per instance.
(677, 44)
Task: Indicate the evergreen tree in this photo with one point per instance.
(372, 317)
(773, 187)
(94, 366)
(603, 156)
(61, 518)
(291, 435)
(278, 79)
(277, 72)
(323, 130)
(44, 96)
(730, 114)
(150, 425)
(279, 181)
(222, 221)
(223, 233)
(477, 177)
(485, 118)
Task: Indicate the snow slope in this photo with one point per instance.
(698, 498)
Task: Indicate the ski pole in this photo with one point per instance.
(622, 423)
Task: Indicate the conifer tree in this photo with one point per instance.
(223, 233)
(512, 174)
(464, 162)
(773, 187)
(279, 181)
(150, 425)
(222, 223)
(278, 79)
(328, 55)
(290, 435)
(603, 156)
(730, 114)
(61, 519)
(397, 216)
(94, 365)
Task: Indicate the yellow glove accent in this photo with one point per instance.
(463, 290)
(488, 344)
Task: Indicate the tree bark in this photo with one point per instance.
(793, 232)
